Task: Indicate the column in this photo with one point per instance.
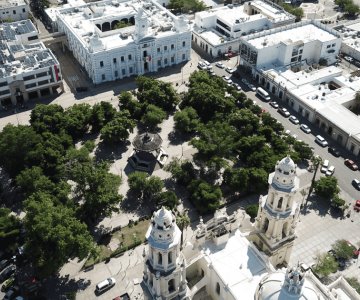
(157, 285)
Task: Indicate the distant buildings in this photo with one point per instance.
(13, 10)
(27, 68)
(218, 31)
(350, 34)
(115, 39)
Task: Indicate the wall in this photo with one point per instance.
(15, 13)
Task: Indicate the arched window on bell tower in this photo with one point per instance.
(170, 257)
(159, 258)
(266, 225)
(280, 202)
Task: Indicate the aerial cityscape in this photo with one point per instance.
(179, 149)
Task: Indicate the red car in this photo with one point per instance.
(350, 164)
(357, 205)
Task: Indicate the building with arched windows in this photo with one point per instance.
(114, 39)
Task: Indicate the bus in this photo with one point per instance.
(263, 94)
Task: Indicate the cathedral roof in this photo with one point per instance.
(163, 218)
(287, 165)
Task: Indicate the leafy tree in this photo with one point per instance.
(337, 202)
(354, 282)
(127, 102)
(33, 180)
(156, 92)
(252, 210)
(343, 249)
(168, 199)
(236, 179)
(118, 129)
(268, 120)
(326, 265)
(101, 114)
(244, 121)
(205, 197)
(17, 144)
(296, 11)
(145, 186)
(326, 187)
(78, 120)
(258, 178)
(249, 145)
(186, 120)
(9, 229)
(153, 117)
(54, 234)
(48, 118)
(303, 149)
(187, 5)
(351, 9)
(183, 172)
(183, 221)
(98, 190)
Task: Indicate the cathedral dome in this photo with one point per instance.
(287, 165)
(287, 286)
(163, 218)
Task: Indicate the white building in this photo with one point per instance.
(164, 270)
(14, 10)
(27, 68)
(295, 44)
(149, 37)
(350, 33)
(218, 31)
(223, 264)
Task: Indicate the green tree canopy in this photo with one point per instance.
(48, 118)
(236, 179)
(145, 186)
(168, 199)
(326, 187)
(187, 5)
(128, 102)
(101, 114)
(326, 265)
(205, 197)
(183, 172)
(17, 144)
(78, 120)
(153, 116)
(118, 129)
(343, 249)
(186, 120)
(9, 229)
(54, 234)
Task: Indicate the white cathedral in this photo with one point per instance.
(229, 258)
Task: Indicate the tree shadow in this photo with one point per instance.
(319, 205)
(176, 138)
(112, 153)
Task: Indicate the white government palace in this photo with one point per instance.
(229, 258)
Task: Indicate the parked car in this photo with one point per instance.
(237, 86)
(334, 151)
(274, 104)
(105, 285)
(220, 65)
(305, 128)
(321, 141)
(357, 205)
(202, 66)
(294, 120)
(284, 112)
(252, 87)
(6, 273)
(211, 72)
(348, 58)
(12, 293)
(324, 166)
(4, 263)
(356, 183)
(330, 171)
(122, 297)
(230, 70)
(351, 164)
(207, 64)
(7, 284)
(244, 81)
(227, 79)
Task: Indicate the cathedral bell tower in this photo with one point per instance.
(278, 213)
(164, 270)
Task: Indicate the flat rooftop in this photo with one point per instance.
(83, 20)
(239, 265)
(11, 3)
(290, 35)
(351, 34)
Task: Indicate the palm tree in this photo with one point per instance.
(316, 160)
(183, 221)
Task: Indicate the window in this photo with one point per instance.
(159, 62)
(300, 51)
(165, 48)
(123, 71)
(280, 202)
(333, 45)
(170, 258)
(183, 57)
(294, 59)
(158, 50)
(184, 43)
(31, 38)
(165, 61)
(130, 70)
(116, 73)
(217, 288)
(14, 12)
(23, 10)
(172, 46)
(42, 74)
(159, 258)
(101, 64)
(4, 92)
(5, 82)
(103, 76)
(328, 46)
(129, 56)
(43, 82)
(114, 60)
(31, 85)
(122, 58)
(173, 59)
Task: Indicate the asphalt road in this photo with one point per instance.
(342, 173)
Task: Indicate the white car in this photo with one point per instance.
(207, 64)
(252, 87)
(105, 285)
(348, 58)
(220, 65)
(321, 141)
(325, 166)
(237, 86)
(230, 70)
(202, 66)
(227, 79)
(294, 120)
(330, 171)
(305, 128)
(274, 104)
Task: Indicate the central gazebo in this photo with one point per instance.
(147, 152)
